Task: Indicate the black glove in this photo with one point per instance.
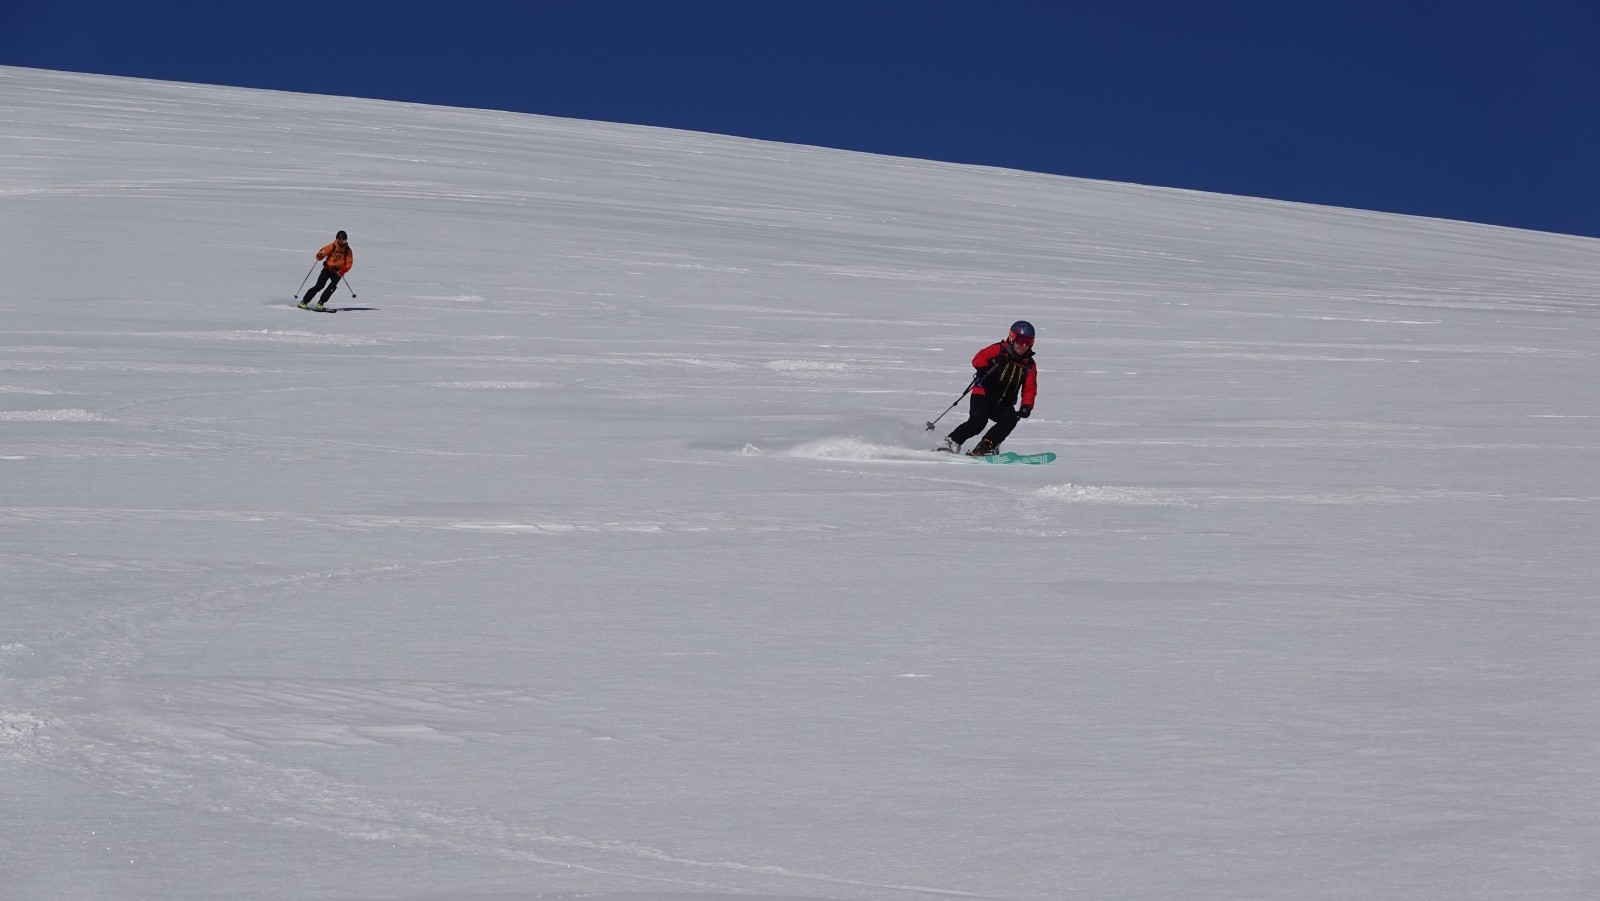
(1025, 410)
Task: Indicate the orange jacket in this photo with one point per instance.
(337, 258)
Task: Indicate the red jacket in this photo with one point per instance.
(1003, 373)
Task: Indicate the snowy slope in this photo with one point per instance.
(593, 551)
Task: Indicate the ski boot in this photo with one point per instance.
(305, 304)
(949, 446)
(985, 448)
(320, 307)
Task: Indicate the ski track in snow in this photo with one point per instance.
(637, 523)
(190, 759)
(70, 415)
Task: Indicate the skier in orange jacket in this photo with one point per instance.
(337, 258)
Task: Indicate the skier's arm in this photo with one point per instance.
(349, 262)
(986, 357)
(1030, 387)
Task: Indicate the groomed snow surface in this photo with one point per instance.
(594, 551)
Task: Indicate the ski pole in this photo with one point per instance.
(952, 406)
(970, 385)
(346, 282)
(304, 280)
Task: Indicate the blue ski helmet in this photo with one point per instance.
(1021, 333)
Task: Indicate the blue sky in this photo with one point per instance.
(1483, 111)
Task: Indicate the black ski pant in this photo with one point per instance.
(329, 278)
(985, 408)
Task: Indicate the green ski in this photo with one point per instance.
(1011, 457)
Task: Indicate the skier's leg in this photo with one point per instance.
(322, 279)
(1005, 419)
(976, 420)
(333, 282)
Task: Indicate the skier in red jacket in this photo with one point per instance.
(1005, 372)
